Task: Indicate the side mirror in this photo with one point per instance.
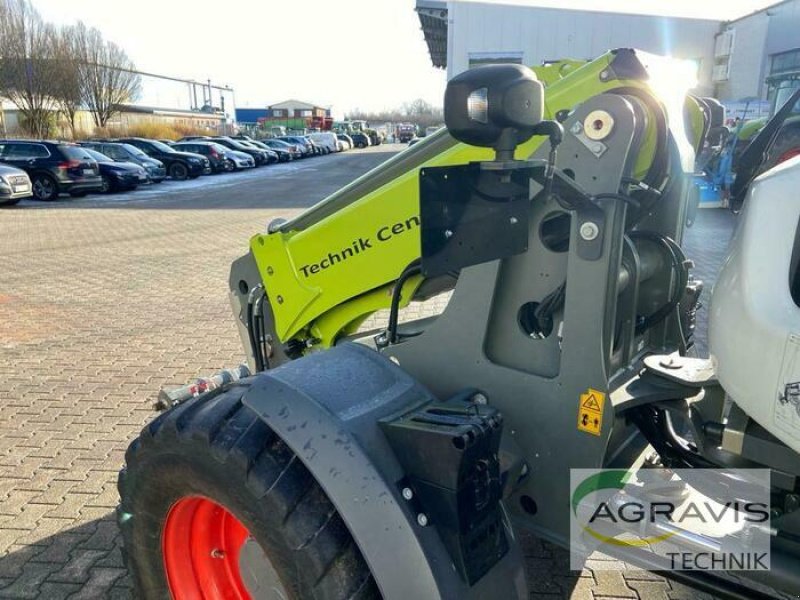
(494, 106)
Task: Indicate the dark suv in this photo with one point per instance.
(54, 167)
(180, 165)
(213, 152)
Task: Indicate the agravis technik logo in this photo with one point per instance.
(681, 519)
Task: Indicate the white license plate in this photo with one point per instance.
(22, 188)
(88, 171)
(142, 177)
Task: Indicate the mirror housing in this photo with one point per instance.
(494, 106)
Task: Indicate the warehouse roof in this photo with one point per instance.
(433, 18)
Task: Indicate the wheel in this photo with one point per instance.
(212, 499)
(178, 171)
(105, 186)
(44, 188)
(229, 166)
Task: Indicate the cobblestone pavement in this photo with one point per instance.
(99, 307)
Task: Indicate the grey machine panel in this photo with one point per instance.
(326, 408)
(536, 383)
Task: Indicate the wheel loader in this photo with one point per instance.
(398, 462)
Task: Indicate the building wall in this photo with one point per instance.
(747, 60)
(535, 34)
(757, 38)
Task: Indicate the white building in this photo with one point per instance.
(748, 58)
(758, 55)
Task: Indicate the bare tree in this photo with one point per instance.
(107, 75)
(67, 90)
(418, 111)
(28, 64)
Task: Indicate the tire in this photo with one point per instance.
(44, 188)
(212, 449)
(107, 186)
(178, 171)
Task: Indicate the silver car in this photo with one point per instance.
(241, 160)
(14, 185)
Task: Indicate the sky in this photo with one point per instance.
(367, 54)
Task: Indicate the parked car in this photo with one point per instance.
(179, 165)
(293, 150)
(14, 185)
(156, 172)
(306, 147)
(118, 176)
(259, 156)
(360, 139)
(319, 149)
(271, 156)
(282, 154)
(374, 136)
(346, 140)
(240, 160)
(216, 154)
(327, 140)
(53, 167)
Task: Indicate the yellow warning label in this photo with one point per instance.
(590, 411)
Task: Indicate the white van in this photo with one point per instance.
(327, 140)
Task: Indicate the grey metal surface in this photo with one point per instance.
(537, 383)
(326, 408)
(258, 575)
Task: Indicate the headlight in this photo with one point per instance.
(195, 161)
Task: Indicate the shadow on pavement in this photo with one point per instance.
(83, 562)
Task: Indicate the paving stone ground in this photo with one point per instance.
(102, 303)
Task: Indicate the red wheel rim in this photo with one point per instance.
(787, 155)
(201, 545)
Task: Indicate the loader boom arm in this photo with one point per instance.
(328, 269)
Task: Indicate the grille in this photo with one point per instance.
(18, 179)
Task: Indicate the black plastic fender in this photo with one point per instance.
(326, 407)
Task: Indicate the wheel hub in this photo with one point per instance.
(210, 555)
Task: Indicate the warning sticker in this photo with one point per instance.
(590, 411)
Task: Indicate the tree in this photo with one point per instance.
(28, 64)
(67, 90)
(417, 111)
(108, 77)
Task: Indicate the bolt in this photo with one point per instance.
(576, 128)
(270, 271)
(598, 148)
(407, 493)
(448, 234)
(603, 75)
(280, 299)
(589, 231)
(217, 553)
(480, 399)
(422, 519)
(513, 220)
